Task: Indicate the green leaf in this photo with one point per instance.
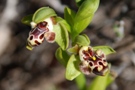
(64, 23)
(43, 13)
(101, 82)
(84, 16)
(87, 9)
(74, 49)
(82, 40)
(72, 70)
(81, 82)
(69, 16)
(27, 19)
(80, 26)
(106, 49)
(62, 37)
(62, 56)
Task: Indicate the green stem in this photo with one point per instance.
(81, 82)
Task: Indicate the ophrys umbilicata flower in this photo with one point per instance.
(93, 61)
(40, 31)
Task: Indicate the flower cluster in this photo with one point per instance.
(93, 61)
(47, 25)
(42, 30)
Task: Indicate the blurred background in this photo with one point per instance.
(21, 69)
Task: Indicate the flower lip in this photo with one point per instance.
(36, 35)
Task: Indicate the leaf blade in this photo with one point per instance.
(84, 15)
(87, 8)
(62, 56)
(62, 37)
(69, 16)
(81, 25)
(72, 70)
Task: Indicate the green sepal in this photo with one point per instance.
(27, 19)
(106, 49)
(63, 22)
(82, 40)
(42, 13)
(62, 56)
(72, 69)
(74, 49)
(61, 31)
